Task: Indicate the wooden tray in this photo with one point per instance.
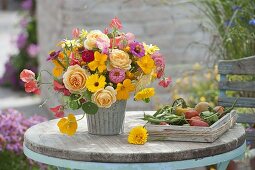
(192, 133)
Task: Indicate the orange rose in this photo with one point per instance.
(104, 97)
(75, 78)
(119, 59)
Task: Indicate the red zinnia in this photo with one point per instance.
(88, 56)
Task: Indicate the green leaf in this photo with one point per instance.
(74, 105)
(75, 96)
(87, 94)
(66, 99)
(90, 108)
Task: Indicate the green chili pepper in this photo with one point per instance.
(231, 108)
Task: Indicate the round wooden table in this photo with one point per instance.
(45, 144)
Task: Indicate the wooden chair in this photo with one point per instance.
(244, 66)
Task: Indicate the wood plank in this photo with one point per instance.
(241, 102)
(237, 85)
(240, 66)
(246, 118)
(46, 139)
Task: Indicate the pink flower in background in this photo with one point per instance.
(115, 23)
(87, 55)
(117, 75)
(13, 125)
(165, 82)
(27, 4)
(75, 33)
(33, 50)
(27, 75)
(23, 22)
(58, 110)
(103, 45)
(21, 40)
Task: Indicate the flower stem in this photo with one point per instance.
(81, 117)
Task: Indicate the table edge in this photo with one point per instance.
(191, 163)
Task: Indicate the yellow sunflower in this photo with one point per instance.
(94, 82)
(138, 135)
(68, 125)
(145, 94)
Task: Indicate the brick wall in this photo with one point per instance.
(171, 24)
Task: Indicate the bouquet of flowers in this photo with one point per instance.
(95, 69)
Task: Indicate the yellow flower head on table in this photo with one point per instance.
(124, 89)
(95, 82)
(147, 64)
(98, 63)
(138, 135)
(145, 94)
(68, 125)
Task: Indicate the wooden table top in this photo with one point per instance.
(45, 138)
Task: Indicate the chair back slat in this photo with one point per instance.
(237, 85)
(241, 102)
(244, 66)
(246, 118)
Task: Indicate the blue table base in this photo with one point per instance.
(221, 160)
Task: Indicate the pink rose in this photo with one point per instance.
(27, 75)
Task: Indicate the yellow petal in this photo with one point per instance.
(101, 68)
(103, 57)
(62, 124)
(93, 65)
(122, 95)
(97, 56)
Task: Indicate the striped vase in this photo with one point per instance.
(108, 121)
